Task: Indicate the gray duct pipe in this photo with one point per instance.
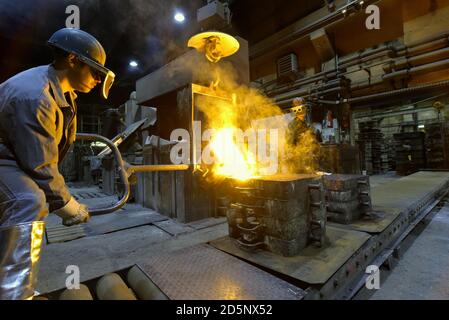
(418, 60)
(389, 51)
(315, 78)
(433, 85)
(430, 67)
(331, 19)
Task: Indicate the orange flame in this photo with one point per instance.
(232, 160)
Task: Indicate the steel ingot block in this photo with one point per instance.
(286, 219)
(344, 182)
(288, 230)
(343, 207)
(286, 186)
(287, 206)
(348, 197)
(342, 196)
(344, 212)
(287, 248)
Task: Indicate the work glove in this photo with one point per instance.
(73, 213)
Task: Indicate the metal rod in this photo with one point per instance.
(159, 167)
(122, 172)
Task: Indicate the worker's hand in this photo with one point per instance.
(73, 213)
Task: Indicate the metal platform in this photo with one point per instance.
(204, 273)
(336, 271)
(314, 265)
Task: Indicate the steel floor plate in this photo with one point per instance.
(404, 193)
(314, 265)
(173, 227)
(103, 224)
(121, 220)
(202, 272)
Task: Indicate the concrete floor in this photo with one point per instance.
(422, 272)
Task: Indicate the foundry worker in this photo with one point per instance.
(37, 126)
(299, 124)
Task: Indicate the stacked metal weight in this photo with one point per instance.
(437, 145)
(410, 152)
(347, 197)
(282, 214)
(372, 146)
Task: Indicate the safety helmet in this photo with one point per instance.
(298, 101)
(299, 105)
(87, 49)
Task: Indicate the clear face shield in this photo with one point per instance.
(107, 82)
(106, 75)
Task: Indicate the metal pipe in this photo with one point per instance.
(82, 293)
(430, 67)
(427, 47)
(330, 19)
(430, 39)
(386, 94)
(388, 53)
(421, 59)
(284, 98)
(112, 287)
(143, 287)
(122, 172)
(432, 85)
(159, 167)
(314, 78)
(370, 55)
(364, 54)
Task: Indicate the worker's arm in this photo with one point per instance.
(33, 139)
